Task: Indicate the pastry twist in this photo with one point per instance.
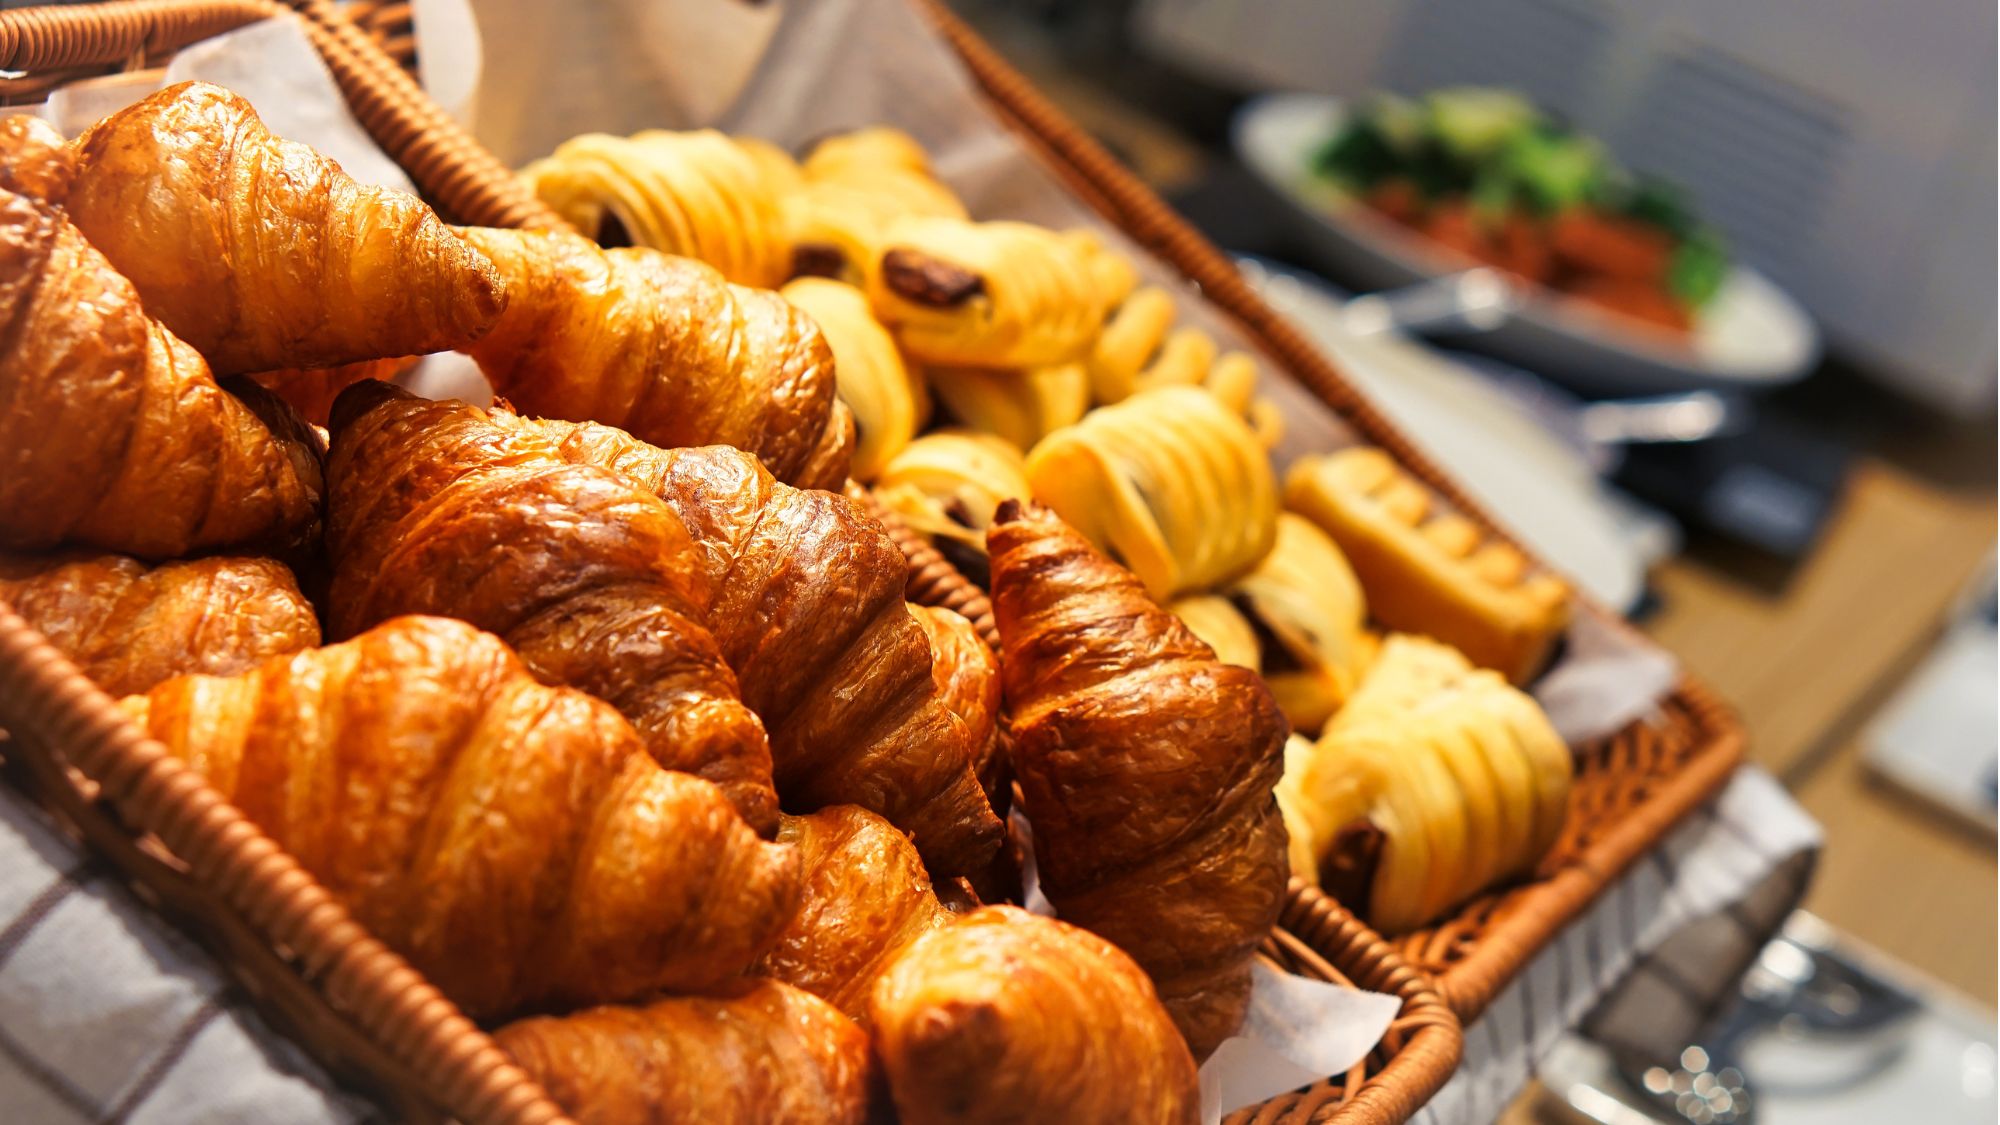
(512, 840)
(1146, 767)
(664, 348)
(129, 626)
(1004, 1016)
(262, 253)
(696, 194)
(806, 603)
(115, 433)
(439, 507)
(1140, 348)
(757, 1053)
(1169, 481)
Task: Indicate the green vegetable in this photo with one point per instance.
(1551, 168)
(1700, 265)
(1662, 204)
(1471, 122)
(1377, 142)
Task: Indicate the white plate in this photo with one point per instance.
(1526, 477)
(1751, 334)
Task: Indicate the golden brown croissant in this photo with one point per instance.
(310, 391)
(262, 253)
(968, 676)
(35, 160)
(128, 626)
(760, 1053)
(1004, 1016)
(661, 347)
(699, 194)
(1146, 767)
(807, 605)
(115, 433)
(864, 895)
(512, 840)
(435, 507)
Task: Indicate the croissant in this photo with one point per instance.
(760, 1053)
(1427, 569)
(128, 626)
(1306, 599)
(1004, 1016)
(437, 507)
(968, 676)
(1146, 767)
(947, 484)
(697, 194)
(35, 160)
(864, 896)
(115, 433)
(888, 400)
(663, 348)
(310, 391)
(807, 606)
(1169, 481)
(512, 840)
(990, 294)
(1020, 407)
(262, 253)
(1436, 782)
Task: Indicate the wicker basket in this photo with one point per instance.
(321, 979)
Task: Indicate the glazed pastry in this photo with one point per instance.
(1004, 1016)
(1309, 604)
(35, 160)
(888, 400)
(947, 484)
(757, 1053)
(987, 294)
(512, 840)
(864, 896)
(1146, 767)
(1019, 407)
(807, 606)
(1427, 569)
(663, 348)
(696, 194)
(310, 391)
(116, 434)
(1217, 623)
(1168, 481)
(968, 676)
(1436, 782)
(438, 507)
(263, 254)
(128, 626)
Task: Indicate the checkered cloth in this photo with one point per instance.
(1654, 955)
(107, 1014)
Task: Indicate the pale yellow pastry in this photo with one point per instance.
(1303, 849)
(1170, 482)
(888, 400)
(1427, 569)
(1020, 407)
(1220, 626)
(1306, 597)
(947, 483)
(1139, 348)
(851, 188)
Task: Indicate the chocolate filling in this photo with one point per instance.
(611, 231)
(1348, 871)
(820, 259)
(921, 279)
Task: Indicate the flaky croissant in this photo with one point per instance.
(968, 676)
(113, 432)
(310, 391)
(1004, 1016)
(1146, 767)
(512, 840)
(35, 160)
(864, 896)
(435, 507)
(697, 194)
(888, 400)
(996, 294)
(807, 606)
(663, 348)
(128, 626)
(1169, 481)
(757, 1053)
(262, 253)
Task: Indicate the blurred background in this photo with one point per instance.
(1701, 299)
